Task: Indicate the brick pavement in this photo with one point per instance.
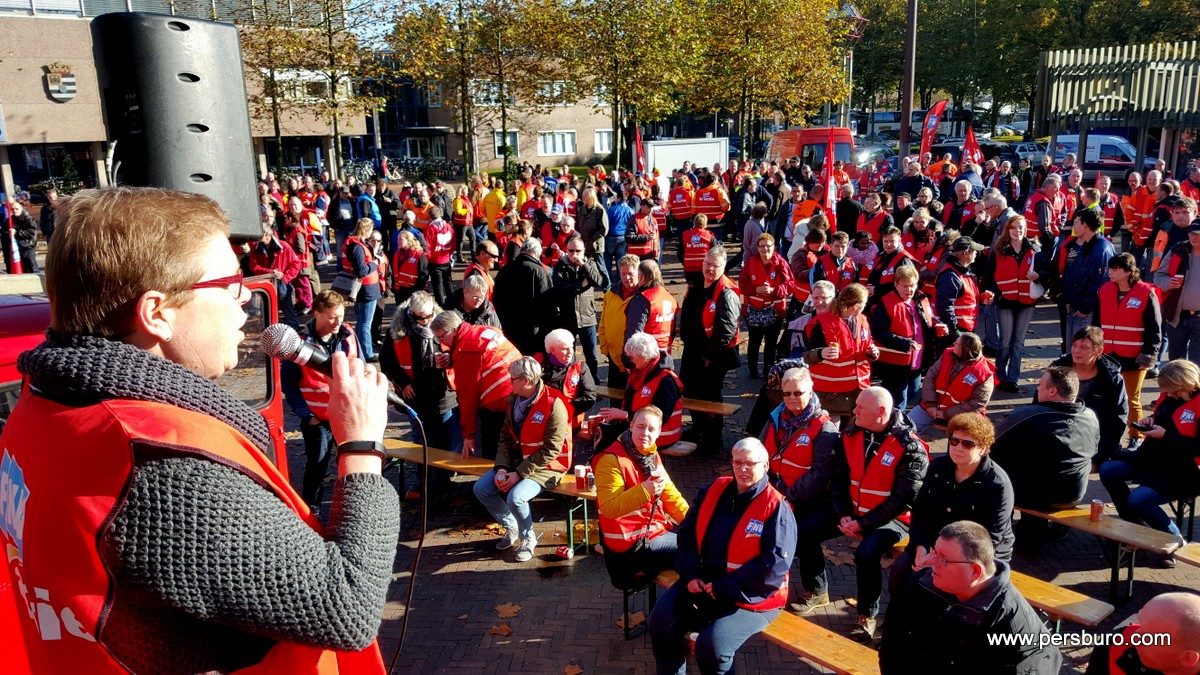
(569, 609)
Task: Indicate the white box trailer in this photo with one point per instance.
(668, 155)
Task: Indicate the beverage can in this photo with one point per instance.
(591, 480)
(988, 295)
(565, 552)
(1097, 514)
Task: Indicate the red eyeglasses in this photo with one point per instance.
(232, 284)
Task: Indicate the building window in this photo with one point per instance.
(552, 143)
(601, 95)
(604, 139)
(434, 96)
(488, 93)
(498, 143)
(420, 147)
(553, 93)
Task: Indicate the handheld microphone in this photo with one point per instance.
(281, 341)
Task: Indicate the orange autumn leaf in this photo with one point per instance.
(635, 619)
(503, 630)
(508, 610)
(572, 669)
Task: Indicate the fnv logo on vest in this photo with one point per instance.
(803, 440)
(754, 528)
(538, 417)
(645, 391)
(888, 459)
(13, 497)
(1134, 303)
(695, 239)
(574, 380)
(1187, 416)
(970, 379)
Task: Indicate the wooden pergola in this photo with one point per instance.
(1149, 86)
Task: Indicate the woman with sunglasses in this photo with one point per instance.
(166, 467)
(964, 484)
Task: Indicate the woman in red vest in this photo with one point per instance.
(902, 324)
(166, 467)
(410, 267)
(639, 506)
(533, 455)
(1015, 272)
(959, 381)
(734, 557)
(1167, 466)
(801, 441)
(652, 381)
(1131, 316)
(840, 352)
(766, 283)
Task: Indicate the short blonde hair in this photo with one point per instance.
(364, 227)
(1179, 375)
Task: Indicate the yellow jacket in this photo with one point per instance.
(615, 499)
(493, 204)
(611, 329)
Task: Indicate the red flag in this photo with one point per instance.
(971, 152)
(827, 175)
(929, 129)
(638, 151)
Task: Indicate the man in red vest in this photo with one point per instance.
(881, 463)
(1170, 631)
(733, 564)
(533, 455)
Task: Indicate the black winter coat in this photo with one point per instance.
(1047, 450)
(714, 349)
(1106, 398)
(574, 292)
(985, 498)
(524, 302)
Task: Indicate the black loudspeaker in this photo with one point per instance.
(174, 97)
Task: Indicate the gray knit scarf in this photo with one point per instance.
(80, 370)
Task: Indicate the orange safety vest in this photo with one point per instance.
(672, 426)
(952, 393)
(871, 484)
(55, 521)
(681, 203)
(696, 244)
(759, 274)
(966, 305)
(405, 267)
(1033, 227)
(852, 370)
(314, 387)
(745, 544)
(872, 224)
(532, 434)
(1144, 202)
(708, 317)
(476, 268)
(368, 256)
(903, 325)
(644, 225)
(791, 456)
(1189, 189)
(1123, 320)
(661, 321)
(422, 214)
(711, 202)
(1011, 276)
(648, 520)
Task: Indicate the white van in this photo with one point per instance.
(1112, 156)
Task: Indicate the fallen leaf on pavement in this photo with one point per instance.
(462, 617)
(508, 610)
(748, 394)
(635, 619)
(572, 669)
(494, 528)
(291, 435)
(502, 630)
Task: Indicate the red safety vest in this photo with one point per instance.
(314, 386)
(672, 426)
(64, 587)
(1033, 227)
(1139, 214)
(887, 274)
(841, 275)
(405, 268)
(852, 370)
(461, 219)
(760, 274)
(1108, 206)
(368, 256)
(476, 268)
(709, 317)
(532, 435)
(529, 209)
(696, 244)
(710, 202)
(745, 544)
(1123, 320)
(871, 484)
(872, 224)
(1185, 420)
(644, 225)
(966, 305)
(1115, 652)
(1011, 276)
(903, 325)
(662, 315)
(495, 354)
(801, 272)
(791, 456)
(648, 520)
(570, 385)
(555, 246)
(952, 393)
(680, 200)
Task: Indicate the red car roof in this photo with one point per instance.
(23, 322)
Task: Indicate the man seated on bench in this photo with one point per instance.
(959, 381)
(1046, 449)
(880, 466)
(735, 548)
(950, 611)
(639, 504)
(533, 455)
(567, 375)
(1177, 615)
(652, 381)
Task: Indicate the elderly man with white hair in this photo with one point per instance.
(568, 376)
(735, 549)
(652, 381)
(881, 465)
(533, 455)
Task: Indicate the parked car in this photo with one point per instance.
(1111, 156)
(809, 144)
(879, 153)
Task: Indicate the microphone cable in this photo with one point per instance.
(412, 573)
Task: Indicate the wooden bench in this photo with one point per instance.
(1189, 555)
(1127, 539)
(477, 466)
(810, 641)
(713, 407)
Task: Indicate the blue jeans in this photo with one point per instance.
(1013, 324)
(902, 382)
(588, 341)
(1075, 323)
(318, 448)
(444, 433)
(717, 643)
(340, 237)
(1184, 339)
(990, 326)
(614, 248)
(363, 313)
(922, 421)
(511, 510)
(1142, 503)
(821, 525)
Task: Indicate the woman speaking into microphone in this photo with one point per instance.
(152, 522)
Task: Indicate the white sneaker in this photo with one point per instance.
(525, 550)
(507, 541)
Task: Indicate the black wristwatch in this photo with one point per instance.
(363, 448)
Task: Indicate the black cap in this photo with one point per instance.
(964, 243)
(1194, 227)
(904, 194)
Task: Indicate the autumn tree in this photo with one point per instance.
(879, 55)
